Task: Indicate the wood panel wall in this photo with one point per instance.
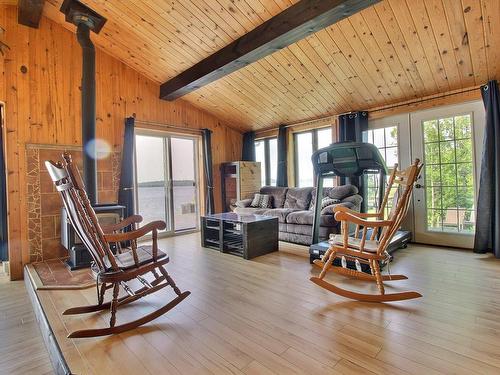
(39, 84)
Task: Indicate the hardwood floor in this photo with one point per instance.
(265, 317)
(21, 347)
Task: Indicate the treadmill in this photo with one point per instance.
(349, 160)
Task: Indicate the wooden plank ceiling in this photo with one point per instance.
(396, 50)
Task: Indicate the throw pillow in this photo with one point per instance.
(325, 202)
(261, 201)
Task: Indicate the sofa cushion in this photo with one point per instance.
(278, 194)
(305, 239)
(307, 229)
(249, 210)
(280, 213)
(307, 218)
(298, 198)
(244, 203)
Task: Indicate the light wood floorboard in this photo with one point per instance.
(22, 350)
(265, 317)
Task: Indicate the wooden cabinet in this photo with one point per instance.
(240, 180)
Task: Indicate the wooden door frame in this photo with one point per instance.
(5, 257)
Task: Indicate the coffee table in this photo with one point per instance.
(247, 236)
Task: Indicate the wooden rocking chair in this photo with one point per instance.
(112, 270)
(370, 250)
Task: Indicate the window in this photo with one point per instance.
(266, 152)
(305, 144)
(386, 140)
(449, 174)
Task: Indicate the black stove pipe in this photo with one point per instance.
(88, 111)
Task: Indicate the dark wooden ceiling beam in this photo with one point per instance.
(293, 24)
(29, 12)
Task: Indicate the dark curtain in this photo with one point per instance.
(282, 177)
(207, 168)
(351, 127)
(4, 254)
(248, 151)
(126, 193)
(487, 237)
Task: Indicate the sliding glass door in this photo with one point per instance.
(167, 179)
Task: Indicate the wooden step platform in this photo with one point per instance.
(264, 316)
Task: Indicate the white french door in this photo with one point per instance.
(166, 179)
(449, 141)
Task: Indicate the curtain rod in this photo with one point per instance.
(162, 125)
(380, 109)
(154, 123)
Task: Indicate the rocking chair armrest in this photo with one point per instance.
(355, 213)
(134, 219)
(345, 216)
(154, 226)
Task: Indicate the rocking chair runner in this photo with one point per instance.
(370, 250)
(112, 270)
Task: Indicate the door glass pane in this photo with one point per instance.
(273, 162)
(184, 183)
(260, 156)
(386, 140)
(151, 195)
(304, 163)
(324, 140)
(449, 174)
(324, 137)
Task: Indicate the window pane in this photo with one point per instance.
(386, 140)
(273, 163)
(379, 137)
(431, 131)
(432, 153)
(449, 175)
(260, 157)
(464, 148)
(465, 174)
(304, 163)
(324, 137)
(463, 127)
(446, 129)
(391, 156)
(391, 136)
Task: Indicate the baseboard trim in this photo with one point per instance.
(56, 357)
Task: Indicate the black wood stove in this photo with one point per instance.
(79, 256)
